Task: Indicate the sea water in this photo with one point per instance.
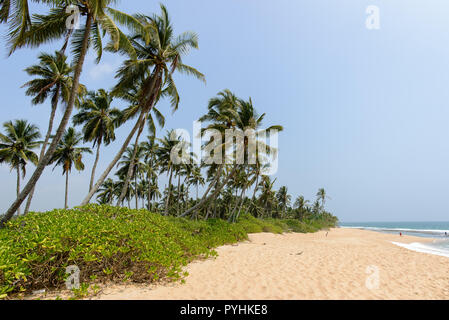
(439, 231)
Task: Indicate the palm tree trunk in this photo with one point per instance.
(167, 201)
(65, 119)
(179, 192)
(209, 188)
(214, 194)
(255, 188)
(149, 192)
(233, 217)
(136, 195)
(66, 189)
(241, 204)
(54, 107)
(92, 176)
(18, 187)
(113, 162)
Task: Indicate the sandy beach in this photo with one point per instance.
(345, 264)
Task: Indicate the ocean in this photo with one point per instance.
(436, 230)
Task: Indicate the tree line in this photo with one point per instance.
(152, 55)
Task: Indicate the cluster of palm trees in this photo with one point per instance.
(152, 54)
(231, 188)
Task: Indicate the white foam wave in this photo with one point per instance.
(424, 248)
(423, 231)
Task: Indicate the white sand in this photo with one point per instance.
(307, 266)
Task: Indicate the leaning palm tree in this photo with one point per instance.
(227, 112)
(98, 21)
(53, 81)
(158, 55)
(100, 120)
(16, 147)
(242, 182)
(221, 115)
(68, 154)
(248, 118)
(132, 97)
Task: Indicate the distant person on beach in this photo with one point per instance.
(400, 234)
(445, 234)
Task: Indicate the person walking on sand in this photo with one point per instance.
(400, 234)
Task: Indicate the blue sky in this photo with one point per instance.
(365, 111)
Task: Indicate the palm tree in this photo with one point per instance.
(119, 187)
(16, 147)
(53, 80)
(100, 120)
(132, 111)
(221, 115)
(322, 196)
(164, 158)
(107, 191)
(136, 164)
(132, 96)
(98, 21)
(16, 14)
(302, 207)
(301, 203)
(283, 199)
(267, 195)
(158, 55)
(153, 192)
(248, 118)
(195, 178)
(242, 182)
(151, 168)
(68, 154)
(226, 112)
(317, 207)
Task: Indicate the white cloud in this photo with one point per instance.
(102, 70)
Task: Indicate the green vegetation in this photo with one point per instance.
(117, 244)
